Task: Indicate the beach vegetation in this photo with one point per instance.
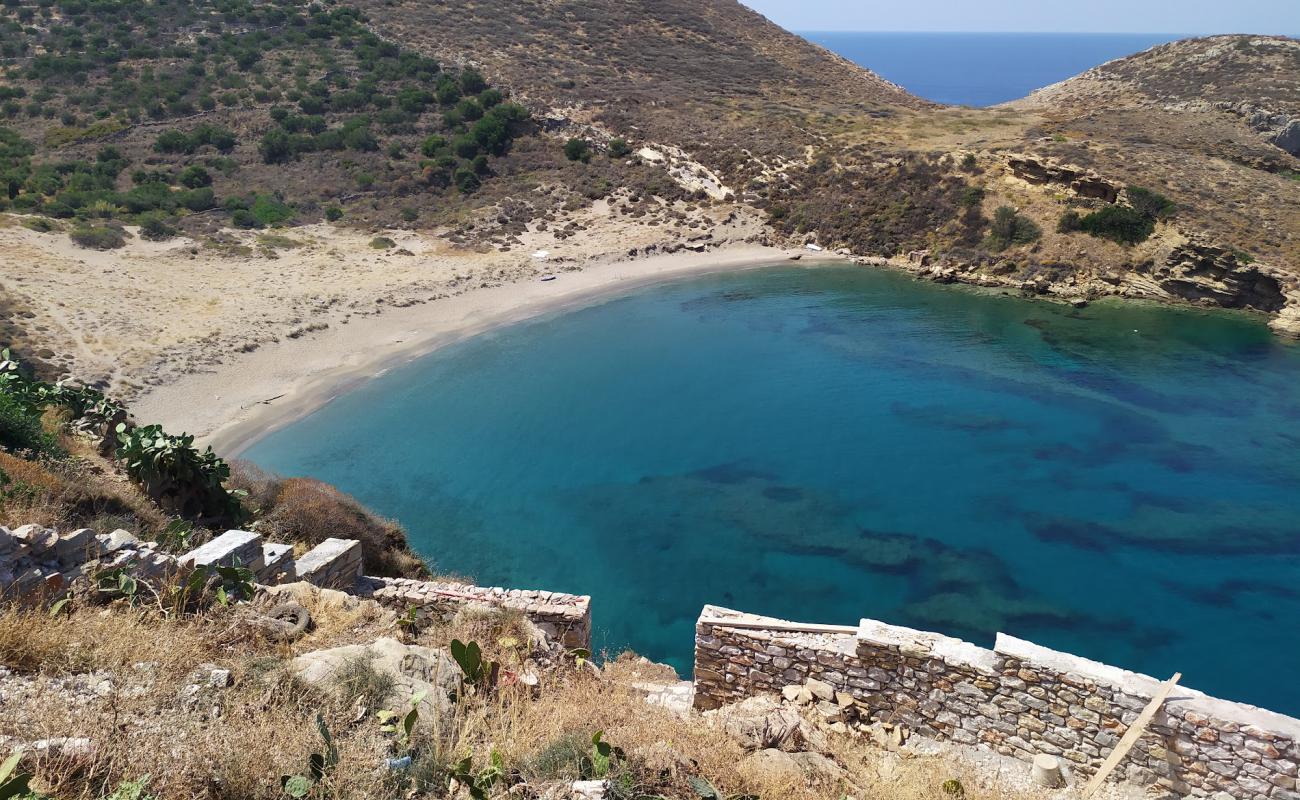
(98, 237)
(155, 227)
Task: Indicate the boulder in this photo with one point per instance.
(1289, 138)
(39, 539)
(118, 540)
(77, 547)
(821, 690)
(761, 723)
(414, 669)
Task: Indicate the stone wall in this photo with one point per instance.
(39, 563)
(1019, 699)
(563, 617)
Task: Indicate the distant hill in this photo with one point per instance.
(709, 75)
(1255, 70)
(490, 119)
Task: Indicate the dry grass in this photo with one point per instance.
(82, 490)
(238, 742)
(306, 511)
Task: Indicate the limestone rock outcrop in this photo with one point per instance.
(1207, 273)
(762, 723)
(414, 669)
(1043, 171)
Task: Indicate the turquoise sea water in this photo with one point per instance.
(981, 69)
(1119, 481)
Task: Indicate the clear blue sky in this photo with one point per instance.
(1099, 16)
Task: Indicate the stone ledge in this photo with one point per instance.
(230, 549)
(1144, 686)
(954, 652)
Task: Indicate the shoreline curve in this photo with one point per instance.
(249, 395)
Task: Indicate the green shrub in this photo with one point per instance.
(1011, 227)
(333, 213)
(20, 427)
(471, 81)
(243, 218)
(433, 145)
(155, 228)
(276, 147)
(270, 211)
(972, 197)
(1070, 222)
(465, 146)
(1151, 204)
(382, 243)
(577, 150)
(98, 237)
(1119, 224)
(467, 181)
(619, 148)
(409, 214)
(197, 199)
(176, 474)
(195, 177)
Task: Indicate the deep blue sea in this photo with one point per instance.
(982, 69)
(1120, 481)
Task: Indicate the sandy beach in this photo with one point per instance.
(236, 402)
(304, 313)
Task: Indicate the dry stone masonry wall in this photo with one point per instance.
(562, 617)
(1019, 699)
(38, 562)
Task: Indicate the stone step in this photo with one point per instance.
(230, 549)
(332, 564)
(277, 560)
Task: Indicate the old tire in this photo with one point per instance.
(290, 620)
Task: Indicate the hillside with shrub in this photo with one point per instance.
(252, 115)
(72, 458)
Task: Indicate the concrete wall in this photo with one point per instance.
(1018, 699)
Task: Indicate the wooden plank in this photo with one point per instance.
(791, 627)
(1131, 736)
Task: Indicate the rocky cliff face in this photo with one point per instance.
(1205, 273)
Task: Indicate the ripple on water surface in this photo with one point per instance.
(1119, 481)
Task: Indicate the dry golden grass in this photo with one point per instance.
(238, 742)
(306, 511)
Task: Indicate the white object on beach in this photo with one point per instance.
(542, 255)
(548, 277)
(816, 248)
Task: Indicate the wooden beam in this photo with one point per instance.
(1131, 736)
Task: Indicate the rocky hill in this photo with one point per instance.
(512, 126)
